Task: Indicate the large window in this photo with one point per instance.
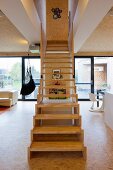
(12, 74)
(93, 74)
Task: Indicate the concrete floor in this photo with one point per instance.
(15, 126)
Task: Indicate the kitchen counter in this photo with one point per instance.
(108, 109)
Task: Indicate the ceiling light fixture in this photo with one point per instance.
(34, 48)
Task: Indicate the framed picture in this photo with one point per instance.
(56, 74)
(57, 91)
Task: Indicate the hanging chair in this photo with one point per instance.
(29, 86)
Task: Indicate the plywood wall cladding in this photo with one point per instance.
(57, 29)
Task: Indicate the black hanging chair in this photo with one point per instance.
(29, 86)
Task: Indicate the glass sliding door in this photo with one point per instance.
(11, 73)
(35, 69)
(84, 77)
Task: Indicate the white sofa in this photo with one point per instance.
(8, 98)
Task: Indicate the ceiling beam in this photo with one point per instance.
(23, 15)
(88, 15)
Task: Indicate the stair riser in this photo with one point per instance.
(55, 65)
(37, 123)
(62, 48)
(57, 43)
(62, 137)
(69, 70)
(59, 105)
(55, 55)
(50, 76)
(51, 73)
(55, 59)
(62, 109)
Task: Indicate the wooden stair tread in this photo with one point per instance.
(57, 146)
(59, 87)
(57, 45)
(67, 55)
(57, 130)
(60, 58)
(58, 80)
(47, 62)
(50, 57)
(57, 105)
(56, 116)
(56, 67)
(53, 42)
(57, 95)
(62, 48)
(57, 52)
(54, 73)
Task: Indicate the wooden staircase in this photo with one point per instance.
(51, 108)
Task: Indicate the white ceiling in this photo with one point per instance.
(20, 27)
(11, 40)
(88, 16)
(101, 40)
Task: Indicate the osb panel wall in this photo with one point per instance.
(57, 29)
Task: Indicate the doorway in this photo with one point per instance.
(84, 76)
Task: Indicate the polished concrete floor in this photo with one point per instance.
(15, 126)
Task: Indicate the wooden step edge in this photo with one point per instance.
(57, 95)
(57, 46)
(56, 146)
(60, 73)
(57, 62)
(58, 80)
(57, 52)
(59, 87)
(55, 67)
(56, 116)
(57, 58)
(59, 49)
(41, 105)
(56, 130)
(57, 42)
